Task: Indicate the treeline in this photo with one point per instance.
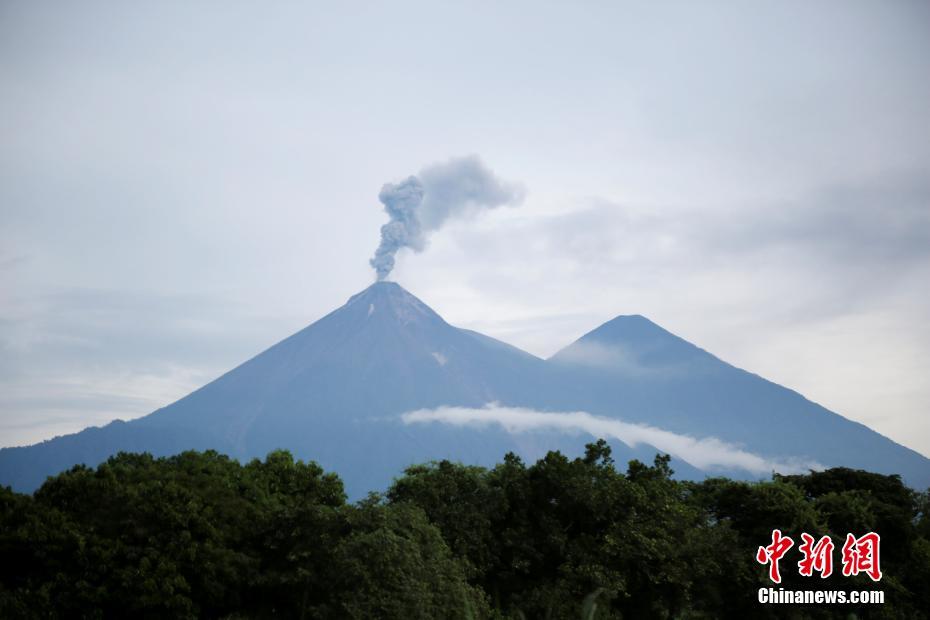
(200, 535)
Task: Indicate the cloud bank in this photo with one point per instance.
(708, 453)
(421, 204)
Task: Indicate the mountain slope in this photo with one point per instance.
(632, 368)
(382, 352)
(334, 392)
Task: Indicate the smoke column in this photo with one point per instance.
(421, 204)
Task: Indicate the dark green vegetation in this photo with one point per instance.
(199, 535)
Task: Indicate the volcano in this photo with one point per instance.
(336, 392)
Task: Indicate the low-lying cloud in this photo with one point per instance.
(708, 453)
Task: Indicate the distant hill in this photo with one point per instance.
(335, 392)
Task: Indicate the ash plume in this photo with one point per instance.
(421, 204)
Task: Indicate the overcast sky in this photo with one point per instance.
(181, 186)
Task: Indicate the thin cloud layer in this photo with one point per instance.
(708, 453)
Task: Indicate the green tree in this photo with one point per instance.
(394, 564)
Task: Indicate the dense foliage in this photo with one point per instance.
(199, 535)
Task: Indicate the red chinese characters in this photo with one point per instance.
(817, 557)
(860, 555)
(773, 553)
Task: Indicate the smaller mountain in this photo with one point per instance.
(634, 369)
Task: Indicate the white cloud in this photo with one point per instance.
(707, 453)
(598, 355)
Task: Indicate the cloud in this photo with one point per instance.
(619, 358)
(87, 356)
(883, 222)
(598, 355)
(708, 453)
(835, 251)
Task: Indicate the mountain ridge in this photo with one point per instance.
(334, 392)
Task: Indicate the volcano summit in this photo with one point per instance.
(384, 382)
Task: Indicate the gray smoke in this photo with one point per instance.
(421, 204)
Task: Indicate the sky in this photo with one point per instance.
(184, 184)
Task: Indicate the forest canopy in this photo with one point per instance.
(201, 535)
